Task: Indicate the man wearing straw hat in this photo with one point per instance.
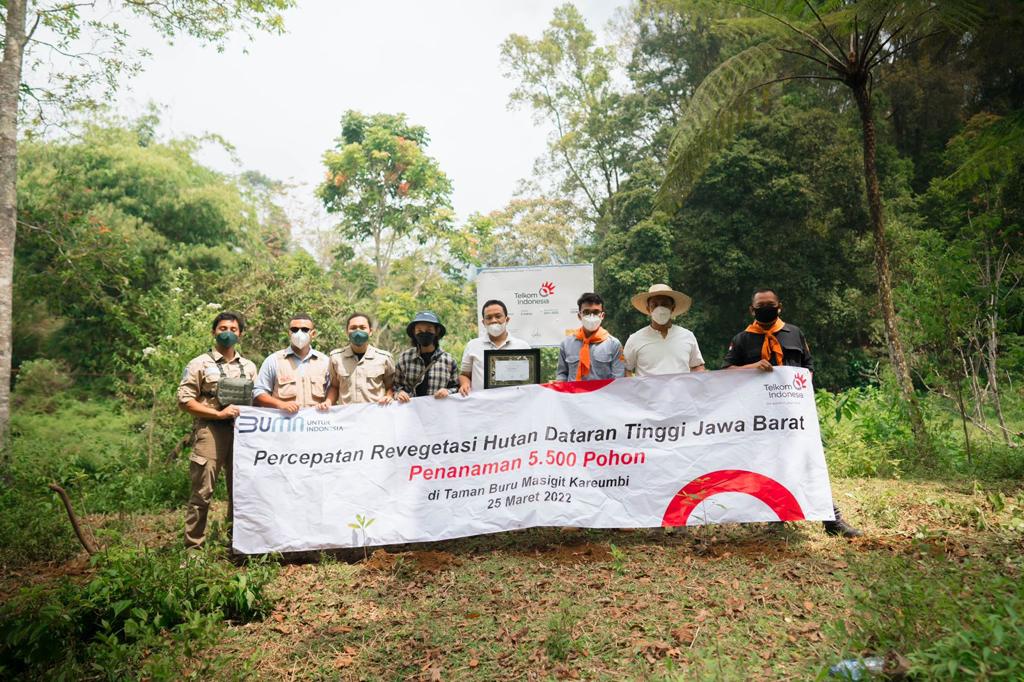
(662, 347)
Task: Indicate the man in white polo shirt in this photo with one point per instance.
(495, 318)
(662, 347)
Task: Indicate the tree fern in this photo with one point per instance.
(787, 40)
(998, 148)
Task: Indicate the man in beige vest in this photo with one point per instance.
(360, 372)
(297, 376)
(214, 423)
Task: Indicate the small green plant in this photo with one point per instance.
(562, 641)
(361, 524)
(618, 559)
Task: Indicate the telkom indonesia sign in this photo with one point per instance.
(541, 300)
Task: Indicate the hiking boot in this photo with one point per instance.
(839, 527)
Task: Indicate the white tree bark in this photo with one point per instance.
(10, 88)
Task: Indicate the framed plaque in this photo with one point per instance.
(508, 367)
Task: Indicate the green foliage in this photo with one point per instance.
(781, 207)
(96, 450)
(384, 186)
(794, 40)
(865, 432)
(567, 78)
(619, 559)
(537, 231)
(142, 612)
(109, 216)
(951, 621)
(41, 385)
(33, 526)
(562, 641)
(85, 55)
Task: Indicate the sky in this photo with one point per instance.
(279, 99)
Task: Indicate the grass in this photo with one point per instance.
(936, 579)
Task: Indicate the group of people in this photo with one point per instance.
(300, 376)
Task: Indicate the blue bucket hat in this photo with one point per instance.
(426, 316)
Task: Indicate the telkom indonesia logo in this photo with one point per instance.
(768, 490)
(547, 288)
(800, 381)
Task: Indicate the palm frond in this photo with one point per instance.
(997, 149)
(717, 108)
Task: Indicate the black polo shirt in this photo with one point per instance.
(745, 348)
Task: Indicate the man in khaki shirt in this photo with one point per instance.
(214, 423)
(297, 376)
(360, 373)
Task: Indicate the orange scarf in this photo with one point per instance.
(771, 344)
(597, 337)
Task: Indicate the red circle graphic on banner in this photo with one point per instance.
(768, 490)
(577, 386)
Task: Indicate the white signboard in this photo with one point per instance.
(710, 447)
(540, 300)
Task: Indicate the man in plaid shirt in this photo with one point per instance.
(425, 369)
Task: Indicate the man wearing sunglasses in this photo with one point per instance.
(297, 376)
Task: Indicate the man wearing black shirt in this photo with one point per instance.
(769, 342)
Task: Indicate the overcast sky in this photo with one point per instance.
(437, 61)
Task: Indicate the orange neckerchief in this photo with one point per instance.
(771, 344)
(597, 337)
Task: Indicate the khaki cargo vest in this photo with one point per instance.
(307, 389)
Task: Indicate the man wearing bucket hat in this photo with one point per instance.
(662, 347)
(425, 369)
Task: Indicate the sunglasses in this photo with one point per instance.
(300, 329)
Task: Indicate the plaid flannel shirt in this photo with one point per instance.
(409, 372)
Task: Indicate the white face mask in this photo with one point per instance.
(495, 329)
(591, 322)
(300, 339)
(661, 314)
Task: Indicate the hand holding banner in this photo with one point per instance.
(710, 447)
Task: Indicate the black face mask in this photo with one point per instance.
(425, 339)
(766, 314)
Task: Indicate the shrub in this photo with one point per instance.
(864, 430)
(42, 385)
(33, 527)
(140, 608)
(96, 451)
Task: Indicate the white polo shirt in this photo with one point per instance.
(473, 356)
(647, 352)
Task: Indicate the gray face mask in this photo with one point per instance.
(300, 339)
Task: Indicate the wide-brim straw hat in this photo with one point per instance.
(681, 300)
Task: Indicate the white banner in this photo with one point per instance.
(540, 300)
(688, 449)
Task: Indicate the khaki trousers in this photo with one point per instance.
(211, 454)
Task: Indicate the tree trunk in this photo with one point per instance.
(10, 88)
(883, 271)
(993, 275)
